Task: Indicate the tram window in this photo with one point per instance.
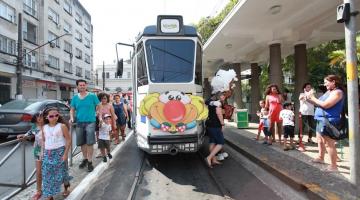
(198, 66)
(142, 77)
(170, 61)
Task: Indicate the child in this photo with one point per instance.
(56, 145)
(35, 131)
(104, 136)
(287, 115)
(266, 126)
(260, 114)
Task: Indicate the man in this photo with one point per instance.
(85, 104)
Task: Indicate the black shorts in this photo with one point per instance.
(104, 144)
(266, 131)
(289, 131)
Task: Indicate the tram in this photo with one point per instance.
(168, 99)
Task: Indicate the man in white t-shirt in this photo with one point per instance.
(307, 113)
(287, 116)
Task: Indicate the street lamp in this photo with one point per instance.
(20, 57)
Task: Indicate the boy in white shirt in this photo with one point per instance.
(287, 116)
(104, 137)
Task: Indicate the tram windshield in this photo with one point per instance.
(170, 61)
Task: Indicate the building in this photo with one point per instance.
(113, 82)
(49, 71)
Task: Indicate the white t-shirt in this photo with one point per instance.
(288, 117)
(104, 131)
(54, 137)
(306, 108)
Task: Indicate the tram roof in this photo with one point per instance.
(188, 31)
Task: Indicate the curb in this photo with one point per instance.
(79, 191)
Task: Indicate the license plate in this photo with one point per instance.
(4, 130)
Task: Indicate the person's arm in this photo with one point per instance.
(112, 111)
(267, 103)
(281, 98)
(302, 96)
(67, 137)
(334, 97)
(72, 110)
(125, 111)
(220, 115)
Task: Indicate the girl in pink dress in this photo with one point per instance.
(273, 103)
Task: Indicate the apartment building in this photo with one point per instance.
(112, 81)
(49, 71)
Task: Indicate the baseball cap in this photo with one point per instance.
(106, 115)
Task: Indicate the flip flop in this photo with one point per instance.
(208, 163)
(317, 160)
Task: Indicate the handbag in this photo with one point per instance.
(228, 111)
(335, 131)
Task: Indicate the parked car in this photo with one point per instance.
(15, 116)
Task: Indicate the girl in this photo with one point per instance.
(56, 145)
(105, 107)
(273, 103)
(122, 114)
(35, 131)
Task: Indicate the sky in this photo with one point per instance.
(122, 20)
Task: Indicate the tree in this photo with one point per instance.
(130, 88)
(118, 89)
(107, 89)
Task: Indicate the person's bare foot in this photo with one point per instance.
(214, 161)
(208, 162)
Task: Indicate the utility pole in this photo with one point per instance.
(19, 65)
(353, 96)
(103, 75)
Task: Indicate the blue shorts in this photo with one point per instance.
(320, 127)
(216, 135)
(85, 133)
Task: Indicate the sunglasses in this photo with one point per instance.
(52, 116)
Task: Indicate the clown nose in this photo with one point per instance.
(174, 111)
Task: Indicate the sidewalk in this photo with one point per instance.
(294, 167)
(81, 177)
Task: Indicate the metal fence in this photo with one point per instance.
(27, 181)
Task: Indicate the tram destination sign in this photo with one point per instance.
(170, 25)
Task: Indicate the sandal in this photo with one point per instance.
(36, 196)
(66, 191)
(317, 160)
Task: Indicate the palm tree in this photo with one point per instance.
(338, 57)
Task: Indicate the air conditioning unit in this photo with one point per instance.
(52, 44)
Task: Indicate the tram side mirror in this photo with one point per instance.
(343, 13)
(120, 67)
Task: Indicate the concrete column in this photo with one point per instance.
(58, 92)
(255, 91)
(207, 88)
(301, 76)
(238, 91)
(275, 71)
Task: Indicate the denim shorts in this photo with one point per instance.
(320, 127)
(216, 136)
(85, 133)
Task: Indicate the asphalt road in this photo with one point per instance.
(183, 176)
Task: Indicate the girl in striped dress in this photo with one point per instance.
(56, 145)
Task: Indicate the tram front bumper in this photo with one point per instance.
(173, 144)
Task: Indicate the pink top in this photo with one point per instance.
(274, 107)
(104, 109)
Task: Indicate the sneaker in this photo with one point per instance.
(104, 159)
(110, 156)
(90, 167)
(265, 142)
(83, 163)
(225, 155)
(220, 157)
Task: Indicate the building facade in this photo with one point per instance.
(112, 82)
(49, 71)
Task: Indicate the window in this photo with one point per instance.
(67, 27)
(78, 35)
(30, 60)
(7, 12)
(7, 45)
(52, 36)
(78, 53)
(87, 43)
(142, 76)
(78, 71)
(198, 65)
(87, 27)
(67, 47)
(29, 32)
(87, 58)
(78, 18)
(67, 67)
(170, 61)
(67, 7)
(53, 16)
(87, 74)
(30, 7)
(53, 62)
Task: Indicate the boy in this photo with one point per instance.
(265, 123)
(287, 115)
(260, 114)
(104, 136)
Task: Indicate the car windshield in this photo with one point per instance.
(21, 105)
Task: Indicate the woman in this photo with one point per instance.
(307, 112)
(56, 146)
(331, 104)
(273, 102)
(214, 126)
(122, 115)
(105, 107)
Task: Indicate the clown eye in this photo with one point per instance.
(170, 97)
(178, 97)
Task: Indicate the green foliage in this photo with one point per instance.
(207, 25)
